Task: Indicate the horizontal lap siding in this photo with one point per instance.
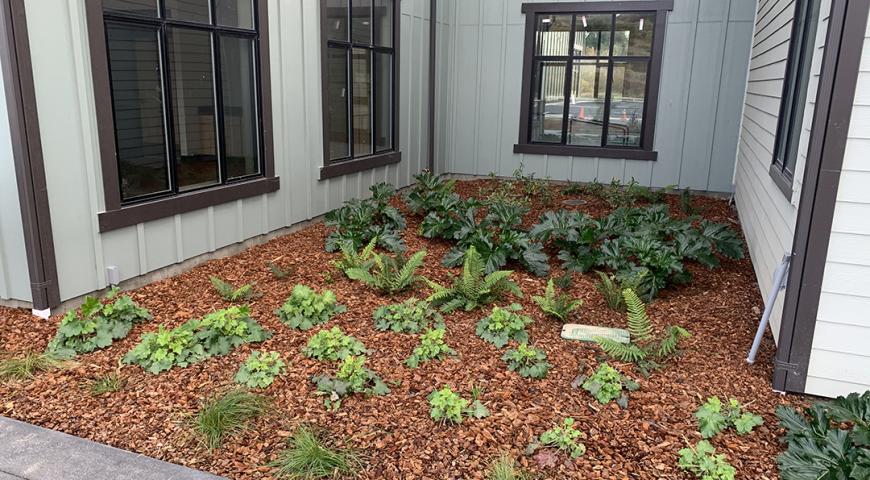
(707, 46)
(59, 44)
(840, 358)
(766, 215)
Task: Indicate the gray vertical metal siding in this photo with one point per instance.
(707, 45)
(66, 108)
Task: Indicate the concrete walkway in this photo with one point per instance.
(29, 452)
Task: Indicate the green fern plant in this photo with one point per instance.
(352, 258)
(559, 306)
(473, 288)
(612, 286)
(389, 274)
(644, 349)
(230, 292)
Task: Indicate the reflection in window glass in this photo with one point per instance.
(588, 95)
(384, 23)
(193, 108)
(384, 105)
(337, 104)
(592, 35)
(548, 103)
(552, 34)
(235, 13)
(361, 21)
(239, 88)
(188, 10)
(137, 7)
(336, 20)
(627, 101)
(633, 36)
(137, 97)
(362, 101)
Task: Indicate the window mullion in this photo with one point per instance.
(608, 97)
(219, 107)
(569, 74)
(348, 55)
(166, 80)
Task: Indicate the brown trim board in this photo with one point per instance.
(27, 155)
(830, 127)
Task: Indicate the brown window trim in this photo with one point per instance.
(117, 215)
(645, 152)
(337, 168)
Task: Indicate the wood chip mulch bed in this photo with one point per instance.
(394, 433)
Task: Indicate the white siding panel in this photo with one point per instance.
(836, 308)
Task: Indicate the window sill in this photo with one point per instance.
(782, 181)
(360, 164)
(183, 203)
(572, 151)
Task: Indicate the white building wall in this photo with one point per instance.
(840, 358)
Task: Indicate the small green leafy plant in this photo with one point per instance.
(829, 440)
(96, 325)
(607, 384)
(563, 437)
(351, 258)
(27, 366)
(231, 293)
(702, 461)
(428, 192)
(260, 369)
(410, 316)
(304, 308)
(432, 347)
(448, 407)
(389, 274)
(308, 457)
(527, 361)
(332, 345)
(473, 288)
(558, 306)
(226, 414)
(504, 325)
(352, 377)
(359, 221)
(713, 417)
(643, 349)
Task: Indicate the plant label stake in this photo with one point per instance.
(587, 333)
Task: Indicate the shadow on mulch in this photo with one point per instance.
(720, 308)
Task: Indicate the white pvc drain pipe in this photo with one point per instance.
(778, 284)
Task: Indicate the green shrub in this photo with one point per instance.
(389, 274)
(96, 325)
(195, 340)
(432, 347)
(448, 407)
(359, 221)
(473, 288)
(830, 440)
(428, 192)
(304, 308)
(352, 258)
(227, 414)
(713, 418)
(448, 217)
(504, 325)
(564, 437)
(528, 362)
(504, 468)
(26, 367)
(559, 306)
(308, 457)
(606, 385)
(352, 377)
(332, 345)
(410, 316)
(702, 461)
(230, 293)
(260, 369)
(643, 349)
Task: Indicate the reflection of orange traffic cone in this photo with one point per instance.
(582, 114)
(624, 114)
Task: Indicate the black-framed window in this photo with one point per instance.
(360, 84)
(591, 77)
(185, 92)
(794, 94)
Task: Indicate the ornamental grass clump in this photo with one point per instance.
(503, 325)
(527, 361)
(432, 347)
(308, 457)
(410, 316)
(304, 309)
(27, 366)
(260, 369)
(96, 325)
(505, 468)
(227, 414)
(332, 345)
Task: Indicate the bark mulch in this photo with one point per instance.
(394, 432)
